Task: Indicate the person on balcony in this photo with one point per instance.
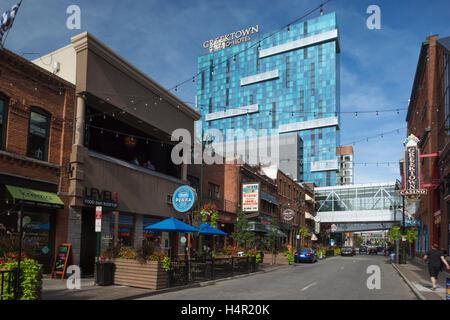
(149, 165)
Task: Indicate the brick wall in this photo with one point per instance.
(26, 86)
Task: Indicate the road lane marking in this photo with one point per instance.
(308, 286)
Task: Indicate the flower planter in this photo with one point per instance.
(132, 273)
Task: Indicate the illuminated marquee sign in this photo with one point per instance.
(230, 39)
(412, 172)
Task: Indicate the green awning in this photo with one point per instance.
(35, 197)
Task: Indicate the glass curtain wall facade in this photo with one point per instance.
(283, 82)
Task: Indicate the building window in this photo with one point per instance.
(194, 182)
(305, 27)
(213, 191)
(227, 98)
(288, 71)
(211, 70)
(210, 105)
(274, 106)
(203, 80)
(38, 134)
(3, 120)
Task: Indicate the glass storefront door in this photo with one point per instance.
(38, 231)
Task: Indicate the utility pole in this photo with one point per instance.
(403, 231)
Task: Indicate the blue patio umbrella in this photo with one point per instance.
(171, 225)
(207, 229)
(45, 226)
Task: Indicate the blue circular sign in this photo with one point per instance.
(183, 198)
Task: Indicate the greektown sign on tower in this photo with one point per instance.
(230, 39)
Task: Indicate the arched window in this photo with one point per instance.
(4, 101)
(38, 134)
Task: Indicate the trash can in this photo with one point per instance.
(105, 272)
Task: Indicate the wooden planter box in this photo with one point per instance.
(132, 273)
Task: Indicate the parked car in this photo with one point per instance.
(347, 251)
(380, 249)
(372, 250)
(305, 255)
(362, 249)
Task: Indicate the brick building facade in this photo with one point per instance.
(427, 117)
(37, 114)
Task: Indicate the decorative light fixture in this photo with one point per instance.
(130, 141)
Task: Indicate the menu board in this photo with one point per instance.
(61, 260)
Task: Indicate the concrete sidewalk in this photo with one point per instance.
(415, 274)
(55, 289)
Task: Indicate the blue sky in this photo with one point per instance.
(163, 38)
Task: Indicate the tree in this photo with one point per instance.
(242, 235)
(271, 240)
(303, 233)
(357, 240)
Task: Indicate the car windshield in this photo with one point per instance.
(305, 250)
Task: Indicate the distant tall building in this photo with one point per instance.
(285, 82)
(345, 160)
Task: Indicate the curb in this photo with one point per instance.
(411, 286)
(196, 285)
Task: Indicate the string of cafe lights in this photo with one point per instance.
(365, 164)
(135, 102)
(366, 139)
(258, 44)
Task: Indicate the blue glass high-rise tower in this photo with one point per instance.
(285, 82)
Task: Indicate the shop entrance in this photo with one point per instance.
(88, 248)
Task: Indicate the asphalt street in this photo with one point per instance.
(335, 278)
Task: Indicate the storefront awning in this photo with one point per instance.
(268, 197)
(309, 216)
(35, 197)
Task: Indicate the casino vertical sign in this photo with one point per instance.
(413, 189)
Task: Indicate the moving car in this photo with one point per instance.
(305, 254)
(347, 251)
(362, 249)
(372, 250)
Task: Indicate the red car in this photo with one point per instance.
(372, 250)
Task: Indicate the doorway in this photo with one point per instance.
(88, 249)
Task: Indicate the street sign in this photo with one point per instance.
(98, 219)
(288, 214)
